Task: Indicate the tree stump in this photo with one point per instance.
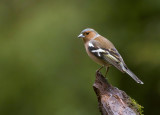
(113, 101)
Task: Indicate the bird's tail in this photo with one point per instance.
(130, 73)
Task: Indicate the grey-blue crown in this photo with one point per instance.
(89, 29)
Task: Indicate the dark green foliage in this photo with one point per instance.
(44, 69)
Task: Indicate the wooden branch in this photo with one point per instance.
(113, 101)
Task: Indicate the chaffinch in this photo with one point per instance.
(102, 51)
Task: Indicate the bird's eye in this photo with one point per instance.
(87, 33)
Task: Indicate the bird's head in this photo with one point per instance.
(88, 34)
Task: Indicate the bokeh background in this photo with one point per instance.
(44, 69)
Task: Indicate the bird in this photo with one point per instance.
(103, 52)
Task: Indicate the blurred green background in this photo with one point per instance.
(44, 69)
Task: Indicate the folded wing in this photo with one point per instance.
(112, 57)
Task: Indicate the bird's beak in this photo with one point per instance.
(81, 36)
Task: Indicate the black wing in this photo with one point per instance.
(111, 56)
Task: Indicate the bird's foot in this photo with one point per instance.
(99, 69)
(107, 69)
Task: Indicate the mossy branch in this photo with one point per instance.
(113, 101)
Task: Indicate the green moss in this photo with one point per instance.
(136, 106)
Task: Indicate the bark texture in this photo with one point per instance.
(113, 101)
